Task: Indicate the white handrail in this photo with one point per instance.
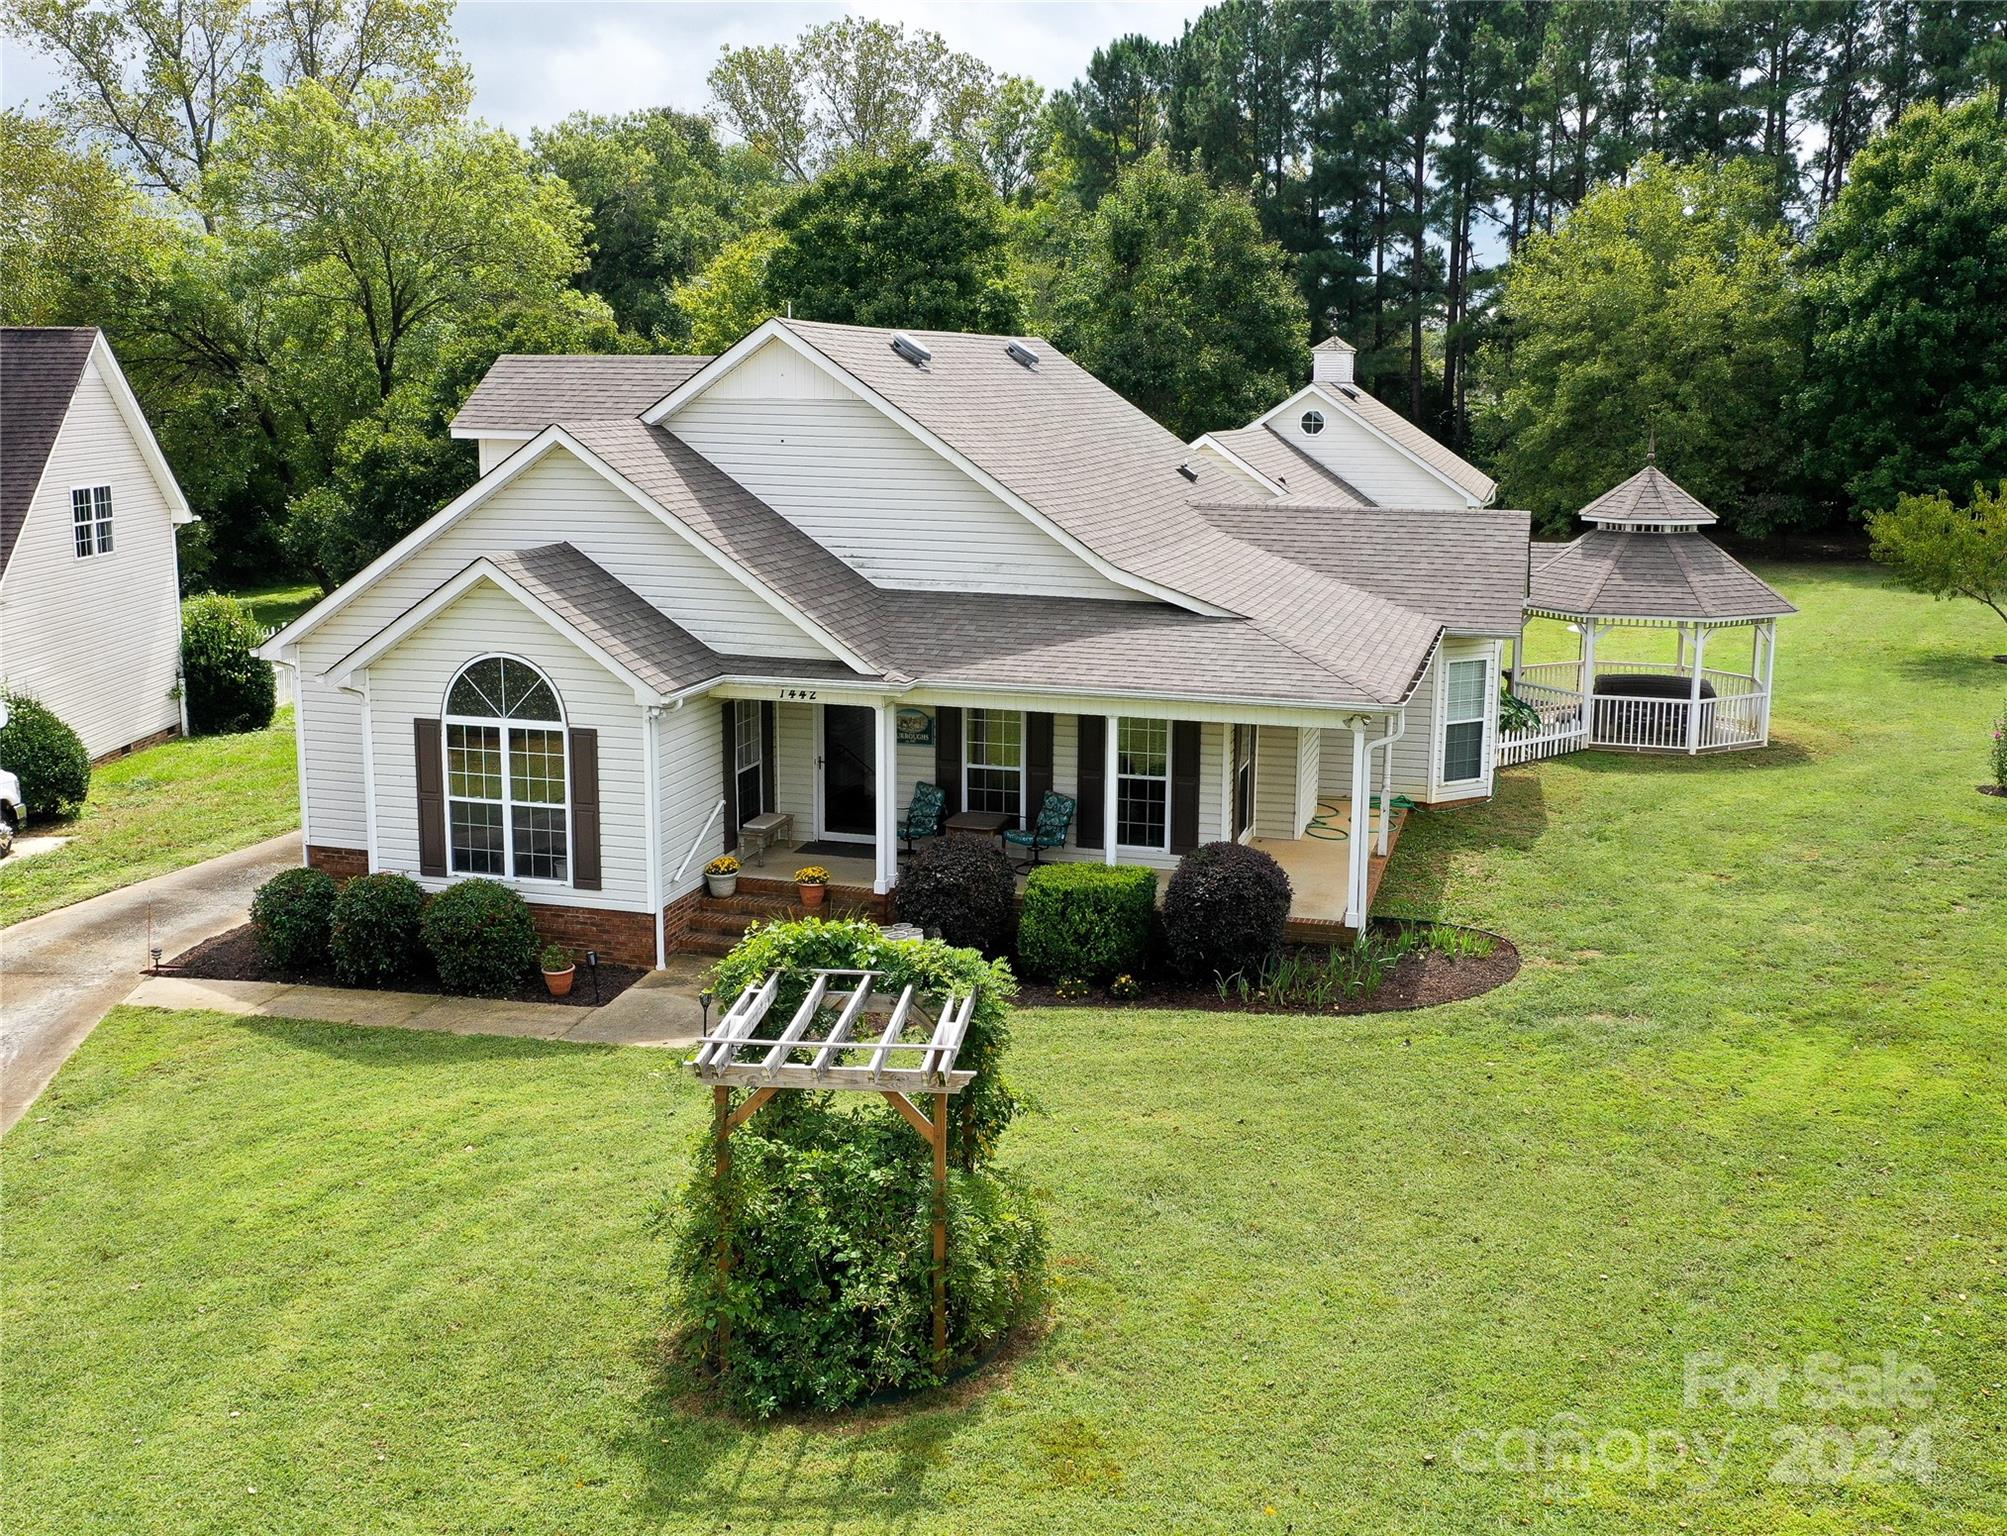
(703, 832)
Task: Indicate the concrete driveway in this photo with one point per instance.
(62, 972)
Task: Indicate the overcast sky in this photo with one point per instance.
(536, 60)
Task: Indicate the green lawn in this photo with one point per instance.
(169, 806)
(1746, 1098)
(276, 606)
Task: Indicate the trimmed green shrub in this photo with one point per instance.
(1090, 921)
(1224, 910)
(293, 913)
(46, 756)
(228, 687)
(373, 934)
(481, 937)
(827, 1208)
(961, 888)
(930, 967)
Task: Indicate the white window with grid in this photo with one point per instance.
(91, 520)
(507, 802)
(1143, 784)
(993, 763)
(748, 763)
(1464, 685)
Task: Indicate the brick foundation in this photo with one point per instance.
(342, 863)
(136, 746)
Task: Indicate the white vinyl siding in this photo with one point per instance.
(409, 683)
(495, 449)
(1363, 459)
(97, 640)
(879, 499)
(1416, 753)
(692, 783)
(557, 499)
(1285, 781)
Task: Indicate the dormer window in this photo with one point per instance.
(1313, 423)
(91, 520)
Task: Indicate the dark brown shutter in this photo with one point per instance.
(1037, 764)
(948, 757)
(769, 761)
(1088, 826)
(728, 713)
(431, 797)
(585, 809)
(1184, 785)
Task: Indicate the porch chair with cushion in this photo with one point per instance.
(1055, 819)
(923, 816)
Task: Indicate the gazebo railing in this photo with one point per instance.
(1738, 714)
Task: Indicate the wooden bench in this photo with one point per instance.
(762, 832)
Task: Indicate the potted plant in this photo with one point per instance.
(559, 969)
(721, 875)
(811, 882)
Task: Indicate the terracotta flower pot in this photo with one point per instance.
(811, 895)
(560, 981)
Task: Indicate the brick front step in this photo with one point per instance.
(718, 922)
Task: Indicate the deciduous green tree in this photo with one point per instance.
(1659, 308)
(1172, 297)
(730, 296)
(1906, 287)
(902, 241)
(1946, 550)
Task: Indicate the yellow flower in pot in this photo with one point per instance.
(721, 875)
(811, 882)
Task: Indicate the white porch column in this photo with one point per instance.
(1110, 783)
(1387, 788)
(1693, 693)
(884, 724)
(1357, 846)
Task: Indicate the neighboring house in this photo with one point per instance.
(833, 562)
(90, 604)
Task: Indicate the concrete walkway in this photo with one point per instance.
(60, 972)
(661, 1009)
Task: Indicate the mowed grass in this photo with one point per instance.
(274, 607)
(167, 807)
(1745, 1101)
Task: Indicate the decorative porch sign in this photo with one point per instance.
(915, 727)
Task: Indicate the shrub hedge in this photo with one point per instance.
(1090, 921)
(228, 687)
(46, 756)
(961, 888)
(293, 914)
(1224, 910)
(373, 932)
(481, 938)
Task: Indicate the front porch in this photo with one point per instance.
(1316, 864)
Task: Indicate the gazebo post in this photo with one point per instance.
(1586, 682)
(940, 1140)
(1693, 693)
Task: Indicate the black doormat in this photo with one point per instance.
(821, 849)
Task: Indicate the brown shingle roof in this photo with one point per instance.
(1465, 569)
(525, 393)
(1649, 496)
(39, 370)
(1606, 574)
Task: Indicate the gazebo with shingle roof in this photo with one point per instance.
(1645, 563)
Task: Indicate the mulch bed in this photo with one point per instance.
(1423, 979)
(234, 956)
(1993, 789)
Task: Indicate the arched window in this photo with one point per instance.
(507, 800)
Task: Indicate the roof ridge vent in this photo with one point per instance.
(914, 353)
(1022, 352)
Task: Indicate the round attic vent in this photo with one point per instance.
(1313, 423)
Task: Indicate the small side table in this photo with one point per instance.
(762, 832)
(977, 824)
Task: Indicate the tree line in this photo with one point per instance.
(1553, 228)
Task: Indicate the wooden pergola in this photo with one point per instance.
(834, 1042)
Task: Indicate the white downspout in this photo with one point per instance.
(300, 750)
(1387, 782)
(368, 772)
(651, 747)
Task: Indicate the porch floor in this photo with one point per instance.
(1315, 864)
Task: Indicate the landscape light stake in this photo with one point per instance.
(592, 969)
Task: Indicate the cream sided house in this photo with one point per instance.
(90, 600)
(781, 587)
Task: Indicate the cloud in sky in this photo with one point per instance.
(536, 60)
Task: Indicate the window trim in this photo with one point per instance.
(505, 724)
(1481, 720)
(1236, 768)
(1313, 414)
(742, 709)
(1145, 778)
(968, 740)
(99, 522)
